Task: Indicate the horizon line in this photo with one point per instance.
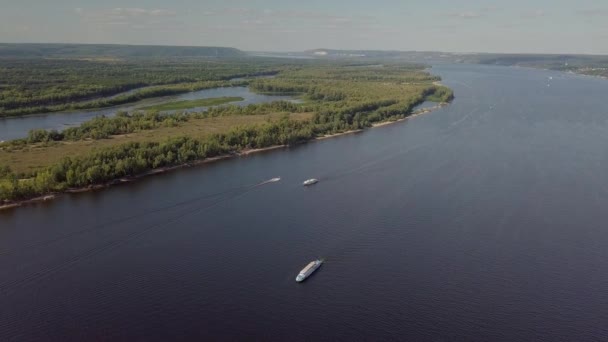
(312, 49)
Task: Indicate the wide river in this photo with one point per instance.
(18, 127)
(483, 221)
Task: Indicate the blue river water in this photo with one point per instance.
(482, 221)
(18, 127)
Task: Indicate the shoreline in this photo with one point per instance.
(129, 179)
(327, 136)
(130, 105)
(411, 116)
(243, 80)
(162, 170)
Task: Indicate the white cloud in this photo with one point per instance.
(131, 18)
(305, 15)
(489, 9)
(251, 21)
(238, 10)
(598, 12)
(156, 12)
(534, 14)
(465, 15)
(123, 13)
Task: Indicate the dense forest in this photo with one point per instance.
(142, 94)
(341, 98)
(46, 85)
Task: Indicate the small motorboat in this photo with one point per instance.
(310, 181)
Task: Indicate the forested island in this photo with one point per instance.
(186, 104)
(336, 97)
(31, 86)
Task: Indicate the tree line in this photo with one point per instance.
(103, 127)
(135, 158)
(132, 159)
(341, 100)
(34, 85)
(122, 99)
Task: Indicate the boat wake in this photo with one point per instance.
(175, 213)
(218, 196)
(271, 180)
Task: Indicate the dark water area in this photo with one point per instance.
(243, 92)
(482, 221)
(18, 127)
(235, 79)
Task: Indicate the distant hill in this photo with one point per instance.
(552, 61)
(594, 65)
(549, 61)
(415, 56)
(352, 53)
(111, 50)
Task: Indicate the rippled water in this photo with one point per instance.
(482, 221)
(14, 128)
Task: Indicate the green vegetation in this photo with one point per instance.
(440, 94)
(127, 98)
(28, 158)
(30, 86)
(135, 158)
(193, 103)
(103, 127)
(338, 97)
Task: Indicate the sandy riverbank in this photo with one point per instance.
(413, 115)
(162, 170)
(327, 136)
(384, 123)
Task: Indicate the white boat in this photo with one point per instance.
(308, 270)
(310, 181)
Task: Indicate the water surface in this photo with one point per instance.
(482, 221)
(18, 127)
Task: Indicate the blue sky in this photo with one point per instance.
(538, 26)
